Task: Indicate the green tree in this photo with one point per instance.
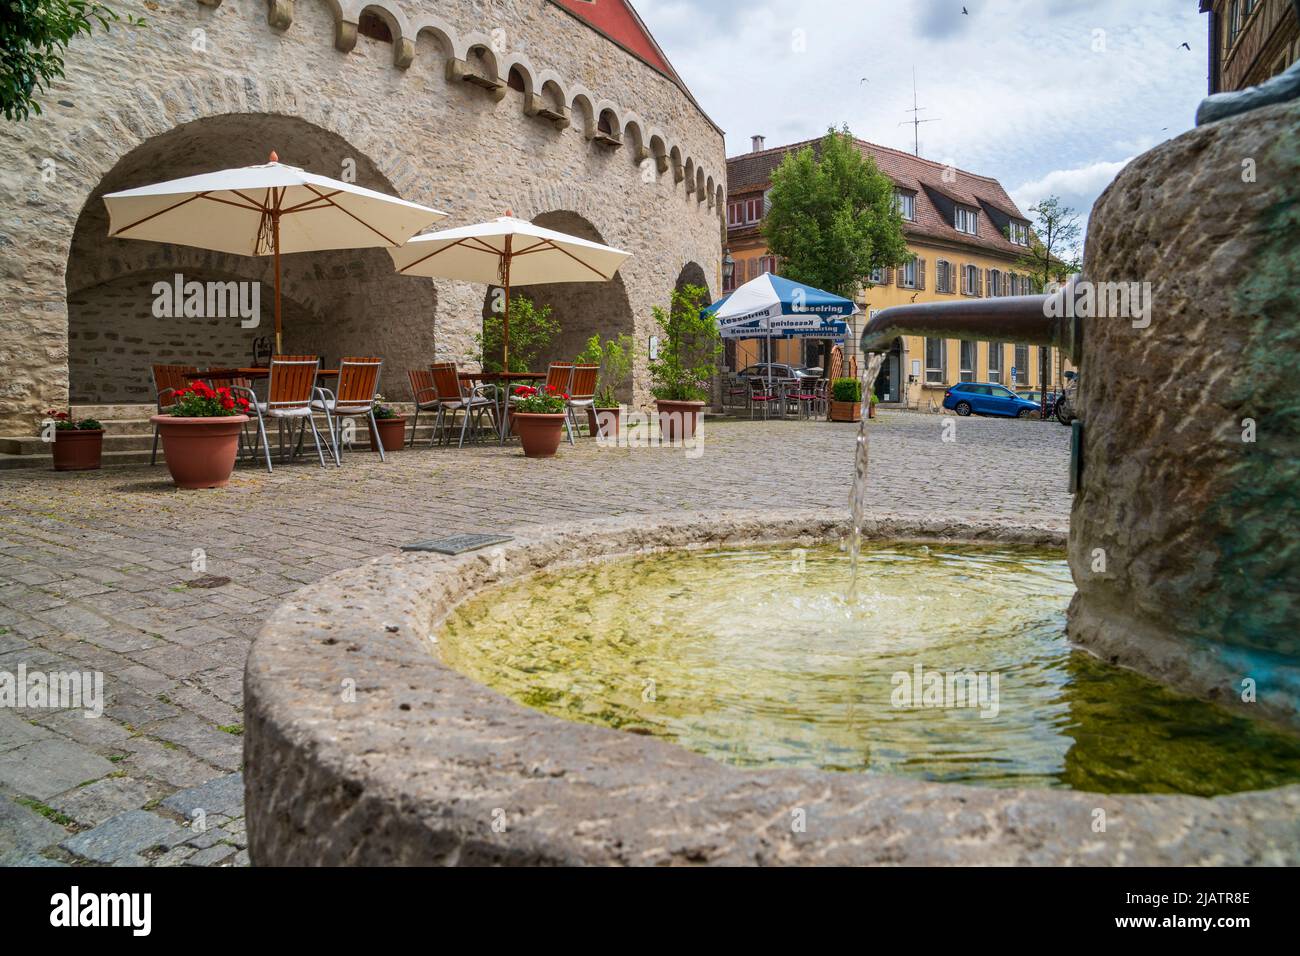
(34, 36)
(689, 350)
(531, 331)
(1053, 252)
(833, 217)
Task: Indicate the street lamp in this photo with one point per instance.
(728, 267)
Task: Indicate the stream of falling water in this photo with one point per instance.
(858, 497)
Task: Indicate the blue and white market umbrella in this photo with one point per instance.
(772, 307)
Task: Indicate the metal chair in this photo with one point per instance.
(454, 397)
(357, 386)
(289, 396)
(761, 395)
(426, 398)
(167, 381)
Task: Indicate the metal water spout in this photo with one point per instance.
(1050, 319)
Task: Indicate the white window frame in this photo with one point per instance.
(996, 282)
(995, 369)
(905, 203)
(939, 375)
(907, 274)
(967, 372)
(766, 265)
(966, 220)
(877, 276)
(972, 274)
(754, 210)
(1019, 233)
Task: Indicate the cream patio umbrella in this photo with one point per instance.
(264, 211)
(507, 250)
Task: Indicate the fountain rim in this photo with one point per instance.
(413, 769)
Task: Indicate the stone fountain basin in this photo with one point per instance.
(362, 748)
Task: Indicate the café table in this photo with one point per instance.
(507, 379)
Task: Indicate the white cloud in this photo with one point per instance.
(1078, 187)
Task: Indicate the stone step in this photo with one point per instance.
(27, 451)
(141, 412)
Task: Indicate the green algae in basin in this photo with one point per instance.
(951, 664)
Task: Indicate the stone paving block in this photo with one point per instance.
(16, 731)
(121, 839)
(123, 641)
(24, 832)
(212, 856)
(49, 767)
(104, 799)
(220, 795)
(170, 764)
(200, 737)
(172, 660)
(137, 707)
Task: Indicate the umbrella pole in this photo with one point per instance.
(505, 326)
(275, 230)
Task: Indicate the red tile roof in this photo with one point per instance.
(617, 20)
(936, 186)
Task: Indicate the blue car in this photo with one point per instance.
(986, 398)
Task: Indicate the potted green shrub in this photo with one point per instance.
(688, 352)
(614, 356)
(200, 435)
(531, 330)
(871, 409)
(538, 416)
(846, 400)
(77, 444)
(391, 426)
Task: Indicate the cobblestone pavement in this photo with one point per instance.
(97, 573)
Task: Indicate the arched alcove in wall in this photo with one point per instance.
(335, 303)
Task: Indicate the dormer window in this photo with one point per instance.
(966, 220)
(1019, 233)
(905, 203)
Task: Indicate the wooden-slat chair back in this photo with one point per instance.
(358, 380)
(293, 380)
(446, 380)
(584, 381)
(559, 374)
(837, 362)
(168, 379)
(233, 381)
(422, 386)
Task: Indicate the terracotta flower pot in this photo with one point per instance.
(846, 411)
(678, 421)
(539, 434)
(77, 449)
(200, 452)
(392, 433)
(604, 422)
(871, 410)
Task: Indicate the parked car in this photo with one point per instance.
(986, 398)
(780, 370)
(1036, 396)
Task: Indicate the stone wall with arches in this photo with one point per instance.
(474, 107)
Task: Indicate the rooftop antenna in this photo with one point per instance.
(916, 120)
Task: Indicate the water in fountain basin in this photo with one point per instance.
(753, 657)
(862, 457)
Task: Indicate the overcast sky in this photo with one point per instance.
(1019, 92)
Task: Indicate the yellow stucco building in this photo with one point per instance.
(966, 235)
